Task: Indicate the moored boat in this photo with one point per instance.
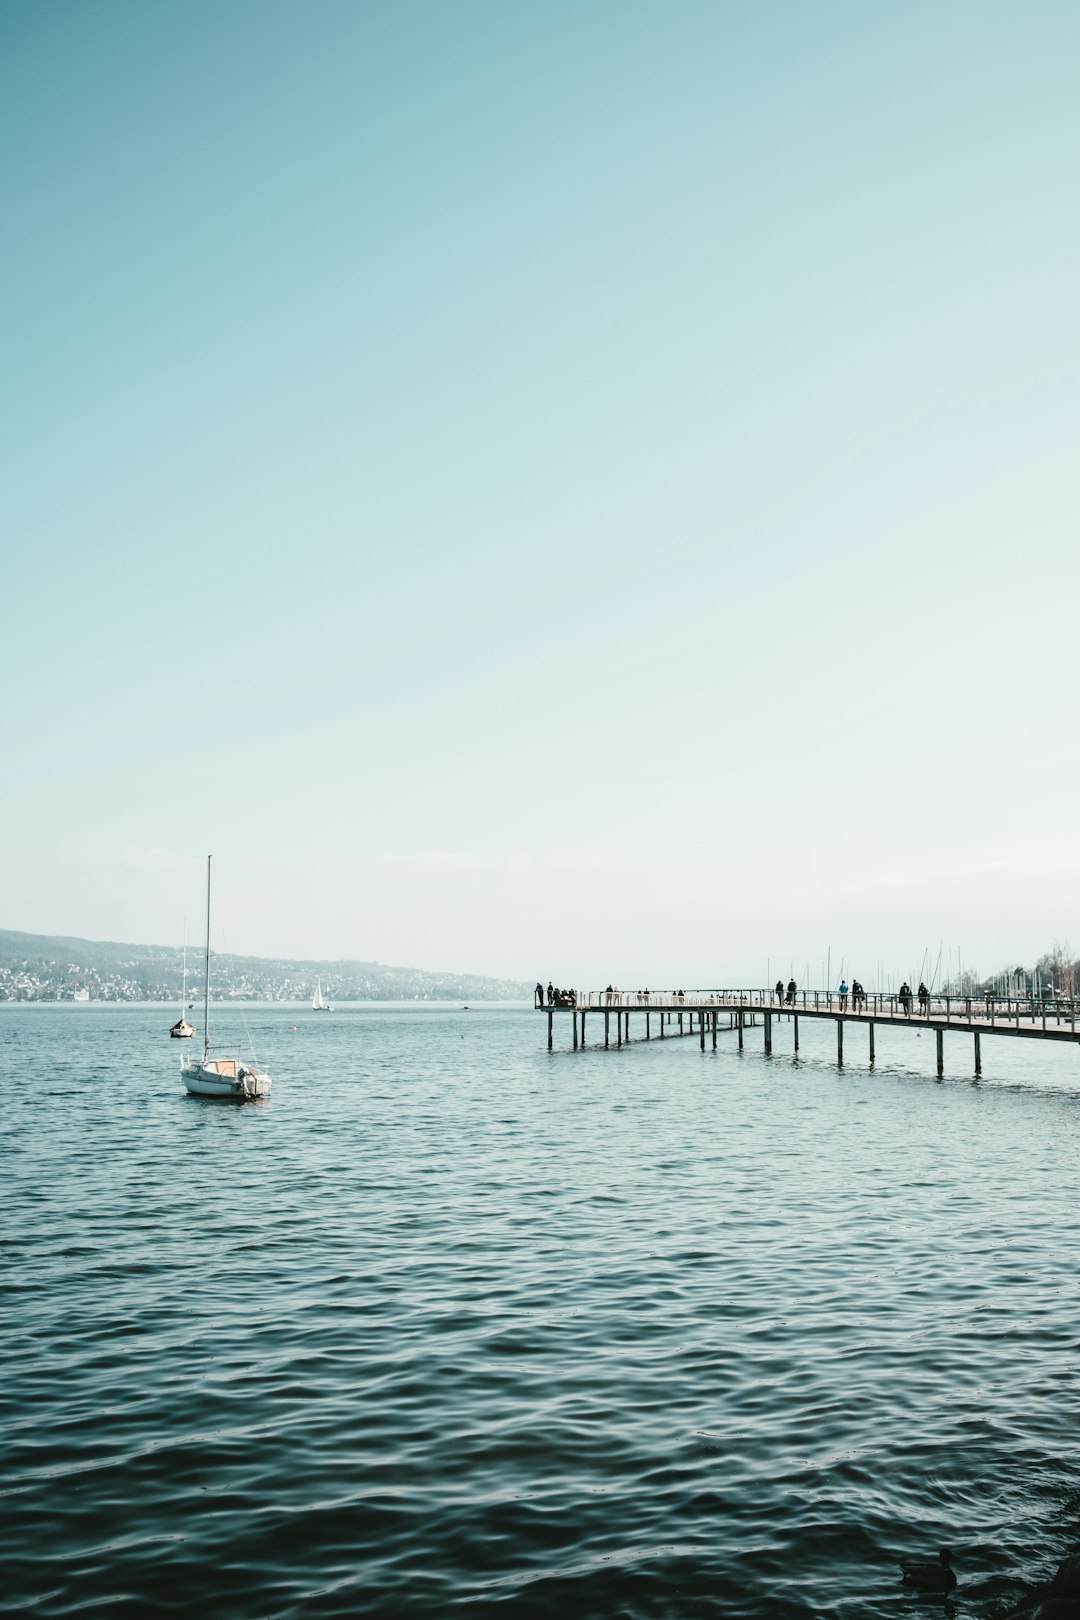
(226, 1078)
(182, 1030)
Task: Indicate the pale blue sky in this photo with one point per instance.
(581, 489)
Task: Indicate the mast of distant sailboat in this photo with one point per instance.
(206, 978)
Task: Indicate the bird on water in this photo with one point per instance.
(929, 1577)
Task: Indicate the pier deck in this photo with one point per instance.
(701, 1011)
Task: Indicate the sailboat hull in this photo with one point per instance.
(225, 1079)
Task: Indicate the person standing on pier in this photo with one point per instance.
(551, 994)
(924, 997)
(905, 999)
(538, 994)
(791, 992)
(843, 995)
(780, 992)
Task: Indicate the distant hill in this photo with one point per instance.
(47, 967)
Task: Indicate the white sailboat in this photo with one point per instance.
(318, 1002)
(220, 1077)
(182, 1030)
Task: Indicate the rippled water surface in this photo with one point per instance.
(452, 1324)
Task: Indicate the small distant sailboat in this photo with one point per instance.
(220, 1077)
(318, 1001)
(182, 1030)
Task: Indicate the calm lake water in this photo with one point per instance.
(455, 1325)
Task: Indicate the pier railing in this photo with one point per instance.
(992, 1008)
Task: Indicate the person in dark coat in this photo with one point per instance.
(791, 992)
(780, 990)
(538, 994)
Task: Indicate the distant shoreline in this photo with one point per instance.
(52, 968)
(520, 1002)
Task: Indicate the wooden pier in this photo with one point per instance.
(707, 1013)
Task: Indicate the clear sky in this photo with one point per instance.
(586, 490)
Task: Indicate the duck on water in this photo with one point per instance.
(930, 1577)
(226, 1078)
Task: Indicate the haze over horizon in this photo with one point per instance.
(586, 492)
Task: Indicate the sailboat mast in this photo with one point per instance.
(206, 979)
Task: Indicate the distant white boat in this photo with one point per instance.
(182, 1030)
(318, 1001)
(208, 1076)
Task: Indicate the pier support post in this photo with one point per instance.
(940, 1052)
(680, 1024)
(701, 1027)
(573, 1019)
(607, 1029)
(618, 1029)
(767, 1021)
(871, 1045)
(583, 1029)
(840, 1041)
(648, 1028)
(978, 1053)
(549, 1029)
(714, 1018)
(739, 1018)
(795, 1021)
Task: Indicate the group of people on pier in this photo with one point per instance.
(554, 996)
(856, 995)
